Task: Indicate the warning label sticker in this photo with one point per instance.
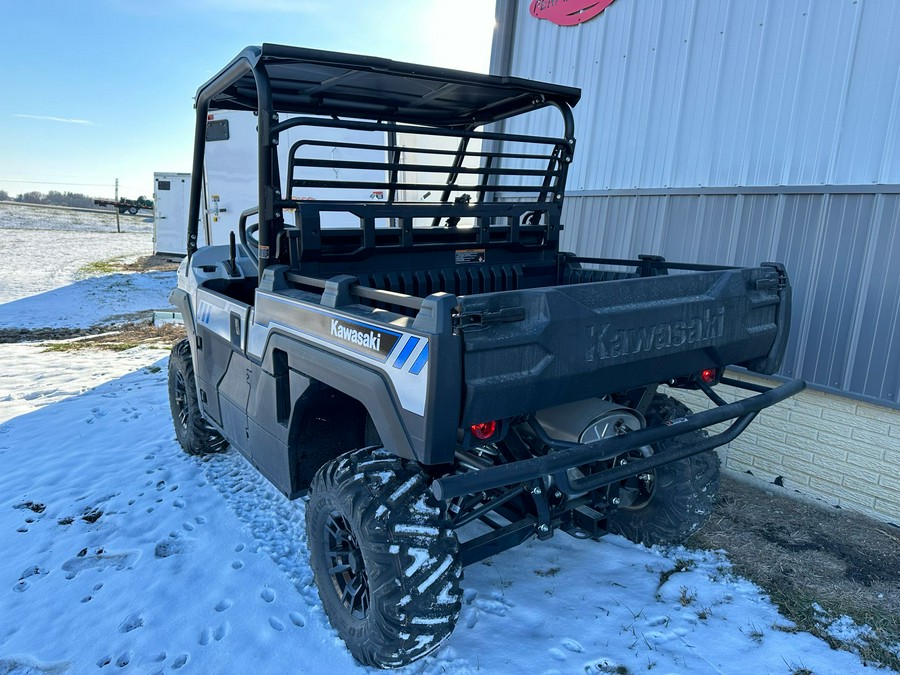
(470, 256)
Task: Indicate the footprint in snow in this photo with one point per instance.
(171, 546)
(471, 618)
(557, 653)
(237, 564)
(267, 594)
(496, 605)
(276, 624)
(222, 631)
(131, 622)
(297, 619)
(99, 559)
(34, 572)
(124, 659)
(180, 661)
(222, 605)
(572, 646)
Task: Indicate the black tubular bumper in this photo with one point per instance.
(557, 463)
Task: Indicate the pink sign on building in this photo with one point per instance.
(568, 12)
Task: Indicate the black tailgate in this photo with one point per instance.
(529, 349)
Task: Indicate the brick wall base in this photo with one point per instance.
(821, 445)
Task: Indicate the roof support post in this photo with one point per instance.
(268, 160)
(235, 70)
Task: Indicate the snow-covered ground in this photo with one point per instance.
(123, 554)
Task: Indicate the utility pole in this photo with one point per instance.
(118, 228)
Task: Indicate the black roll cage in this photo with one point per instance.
(384, 95)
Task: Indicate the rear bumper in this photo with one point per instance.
(556, 464)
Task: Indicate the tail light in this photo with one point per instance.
(484, 430)
(708, 375)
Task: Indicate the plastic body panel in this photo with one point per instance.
(592, 339)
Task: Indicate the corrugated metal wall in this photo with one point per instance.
(684, 93)
(797, 102)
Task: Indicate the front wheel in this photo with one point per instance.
(672, 502)
(195, 435)
(385, 559)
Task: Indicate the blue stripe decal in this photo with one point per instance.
(407, 350)
(420, 362)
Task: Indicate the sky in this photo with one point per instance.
(103, 89)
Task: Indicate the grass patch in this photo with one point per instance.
(100, 267)
(681, 565)
(90, 344)
(816, 564)
(149, 263)
(813, 615)
(127, 336)
(549, 572)
(754, 633)
(686, 596)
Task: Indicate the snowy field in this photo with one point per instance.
(123, 554)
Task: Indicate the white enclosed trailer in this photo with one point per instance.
(230, 185)
(171, 193)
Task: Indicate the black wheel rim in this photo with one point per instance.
(181, 402)
(345, 565)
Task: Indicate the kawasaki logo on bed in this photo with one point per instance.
(360, 337)
(605, 342)
(369, 340)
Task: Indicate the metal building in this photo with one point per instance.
(741, 131)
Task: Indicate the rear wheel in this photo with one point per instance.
(195, 434)
(384, 556)
(669, 503)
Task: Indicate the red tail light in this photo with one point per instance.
(484, 430)
(708, 375)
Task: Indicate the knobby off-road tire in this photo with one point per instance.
(681, 495)
(194, 433)
(385, 559)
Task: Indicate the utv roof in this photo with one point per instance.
(309, 81)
